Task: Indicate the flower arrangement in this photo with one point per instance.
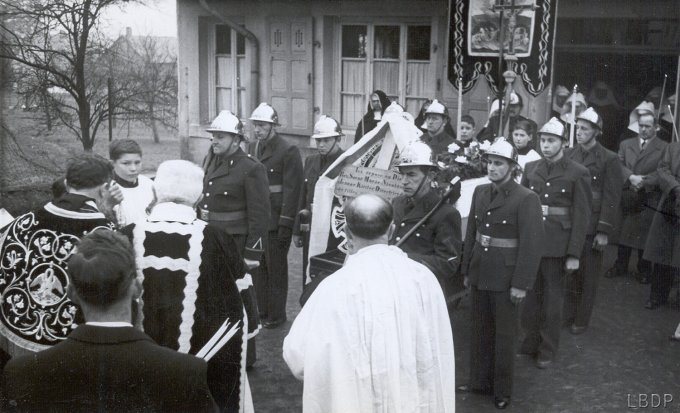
(466, 163)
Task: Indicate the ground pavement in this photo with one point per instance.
(623, 362)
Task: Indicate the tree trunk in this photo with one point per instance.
(46, 108)
(154, 129)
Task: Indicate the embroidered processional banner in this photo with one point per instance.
(476, 34)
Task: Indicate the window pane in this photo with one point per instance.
(386, 77)
(240, 44)
(223, 73)
(386, 42)
(418, 43)
(353, 41)
(222, 39)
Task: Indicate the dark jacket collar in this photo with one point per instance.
(125, 184)
(107, 335)
(76, 202)
(423, 205)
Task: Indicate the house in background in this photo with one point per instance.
(313, 57)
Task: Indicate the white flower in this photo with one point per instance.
(461, 159)
(484, 146)
(441, 164)
(453, 148)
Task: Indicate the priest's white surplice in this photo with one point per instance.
(375, 337)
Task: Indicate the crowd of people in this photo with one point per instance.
(129, 294)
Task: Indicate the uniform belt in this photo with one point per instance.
(487, 241)
(274, 189)
(597, 194)
(222, 216)
(548, 210)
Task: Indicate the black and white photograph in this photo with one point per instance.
(339, 206)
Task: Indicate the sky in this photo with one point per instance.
(145, 17)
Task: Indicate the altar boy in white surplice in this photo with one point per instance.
(375, 336)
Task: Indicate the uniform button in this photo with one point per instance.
(398, 238)
(488, 213)
(205, 205)
(486, 249)
(547, 184)
(417, 235)
(271, 170)
(546, 195)
(594, 177)
(402, 224)
(505, 222)
(543, 218)
(305, 179)
(225, 192)
(563, 190)
(207, 194)
(532, 187)
(487, 225)
(210, 183)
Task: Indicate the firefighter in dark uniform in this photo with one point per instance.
(236, 195)
(284, 169)
(503, 245)
(563, 187)
(437, 242)
(605, 186)
(438, 136)
(327, 135)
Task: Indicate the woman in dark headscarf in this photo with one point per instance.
(376, 107)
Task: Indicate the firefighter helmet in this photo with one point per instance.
(226, 122)
(265, 113)
(326, 127)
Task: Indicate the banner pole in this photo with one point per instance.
(552, 63)
(460, 106)
(675, 110)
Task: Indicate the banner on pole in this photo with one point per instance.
(528, 31)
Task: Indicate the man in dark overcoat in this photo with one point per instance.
(563, 187)
(236, 198)
(503, 246)
(605, 186)
(283, 164)
(437, 242)
(105, 364)
(327, 135)
(663, 243)
(640, 158)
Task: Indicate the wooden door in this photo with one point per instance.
(290, 68)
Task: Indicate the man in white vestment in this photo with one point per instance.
(375, 336)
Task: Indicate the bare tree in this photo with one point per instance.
(150, 78)
(59, 38)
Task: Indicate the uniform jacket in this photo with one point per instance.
(635, 226)
(194, 279)
(663, 242)
(437, 243)
(440, 142)
(107, 369)
(605, 185)
(238, 183)
(284, 169)
(34, 251)
(562, 184)
(514, 213)
(315, 166)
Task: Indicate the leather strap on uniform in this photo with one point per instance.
(548, 210)
(487, 241)
(222, 216)
(275, 189)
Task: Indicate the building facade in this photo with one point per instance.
(313, 57)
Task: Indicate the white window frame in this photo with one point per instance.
(236, 78)
(403, 23)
